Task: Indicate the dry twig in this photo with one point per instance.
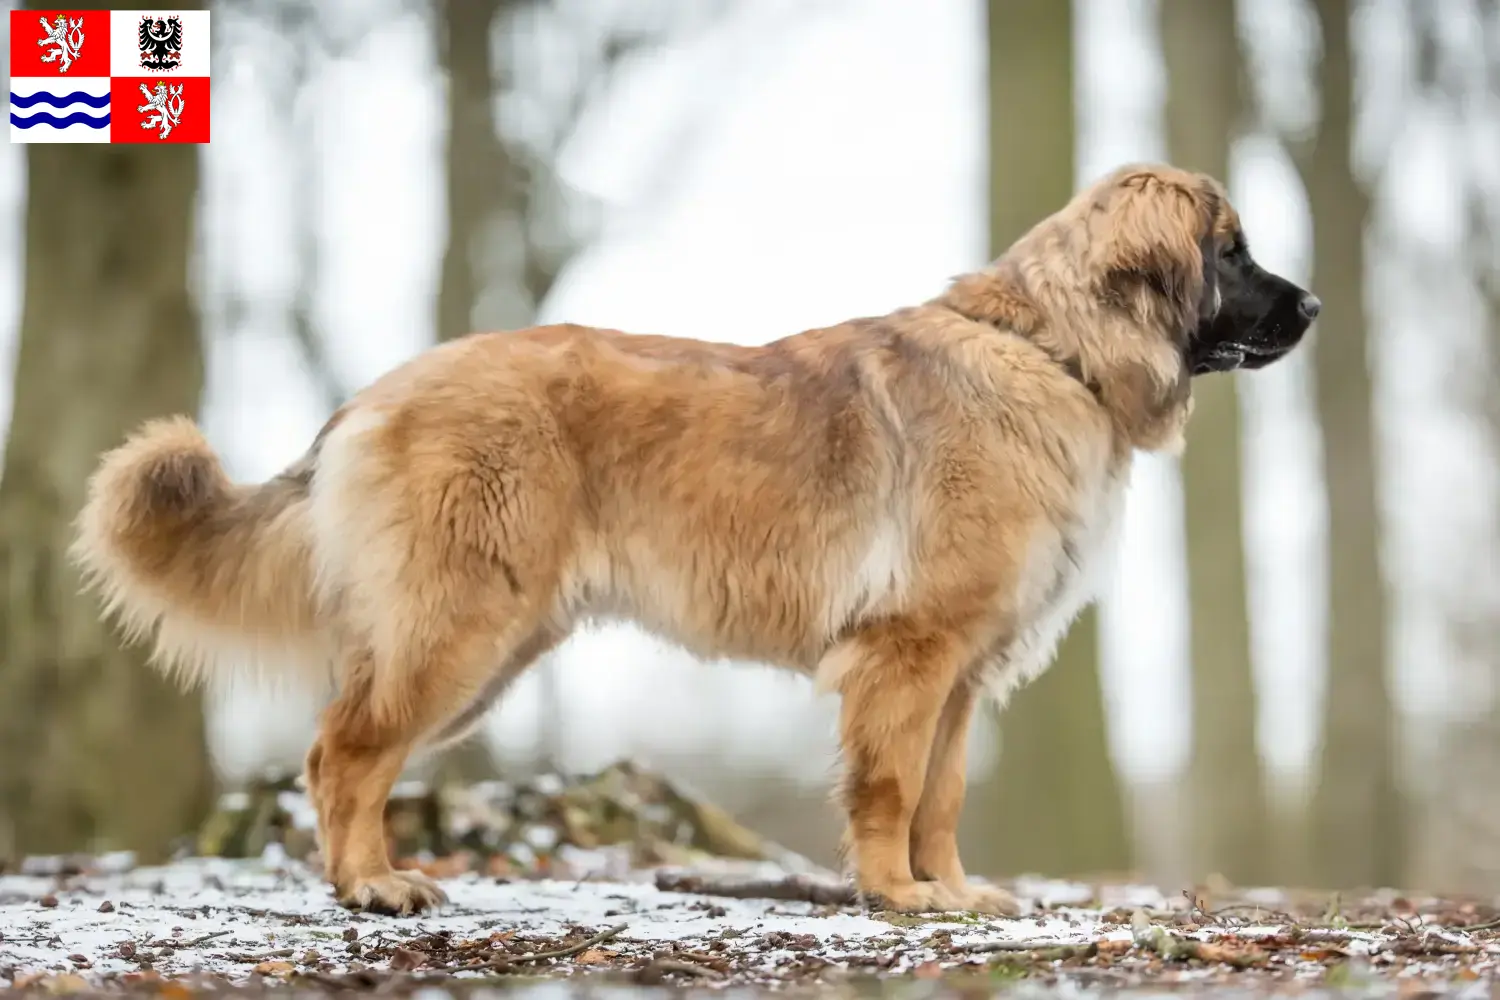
(792, 889)
(1045, 951)
(657, 969)
(507, 962)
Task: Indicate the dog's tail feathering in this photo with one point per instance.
(221, 574)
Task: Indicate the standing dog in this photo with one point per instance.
(911, 508)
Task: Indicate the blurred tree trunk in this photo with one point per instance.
(1054, 805)
(95, 748)
(1227, 790)
(1457, 822)
(486, 204)
(1358, 821)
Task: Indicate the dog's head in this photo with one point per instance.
(1176, 251)
(1143, 280)
(1258, 317)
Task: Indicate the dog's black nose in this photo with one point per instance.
(1309, 307)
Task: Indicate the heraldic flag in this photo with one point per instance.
(109, 76)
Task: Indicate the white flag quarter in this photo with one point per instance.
(59, 109)
(158, 43)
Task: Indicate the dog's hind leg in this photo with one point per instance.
(934, 827)
(442, 525)
(363, 744)
(357, 758)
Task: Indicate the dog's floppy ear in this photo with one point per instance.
(1213, 201)
(1160, 250)
(1209, 301)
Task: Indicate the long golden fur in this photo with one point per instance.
(909, 507)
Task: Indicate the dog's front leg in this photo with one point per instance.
(894, 678)
(934, 828)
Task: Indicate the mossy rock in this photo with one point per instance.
(524, 823)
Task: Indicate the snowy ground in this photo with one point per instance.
(213, 923)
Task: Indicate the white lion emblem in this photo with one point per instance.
(66, 35)
(167, 102)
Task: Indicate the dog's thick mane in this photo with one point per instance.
(1110, 287)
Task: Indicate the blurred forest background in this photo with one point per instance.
(1293, 678)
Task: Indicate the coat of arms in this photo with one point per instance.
(160, 39)
(65, 38)
(167, 102)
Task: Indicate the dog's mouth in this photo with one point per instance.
(1227, 357)
(1268, 341)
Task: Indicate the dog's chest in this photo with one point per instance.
(1067, 565)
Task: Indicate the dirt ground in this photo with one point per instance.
(268, 924)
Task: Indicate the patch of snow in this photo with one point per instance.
(224, 916)
(237, 920)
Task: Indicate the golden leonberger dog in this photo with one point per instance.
(910, 508)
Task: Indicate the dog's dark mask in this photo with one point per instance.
(1260, 316)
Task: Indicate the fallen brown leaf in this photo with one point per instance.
(406, 959)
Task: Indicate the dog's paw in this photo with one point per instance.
(978, 898)
(911, 897)
(396, 893)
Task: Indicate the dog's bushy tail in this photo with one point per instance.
(220, 575)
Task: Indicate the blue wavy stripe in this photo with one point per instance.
(43, 118)
(76, 97)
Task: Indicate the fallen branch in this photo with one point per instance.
(361, 982)
(980, 947)
(204, 939)
(574, 949)
(653, 972)
(1269, 914)
(508, 962)
(1046, 951)
(1298, 935)
(1475, 927)
(792, 889)
(1419, 946)
(245, 958)
(1179, 949)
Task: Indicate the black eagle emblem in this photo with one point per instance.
(161, 42)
